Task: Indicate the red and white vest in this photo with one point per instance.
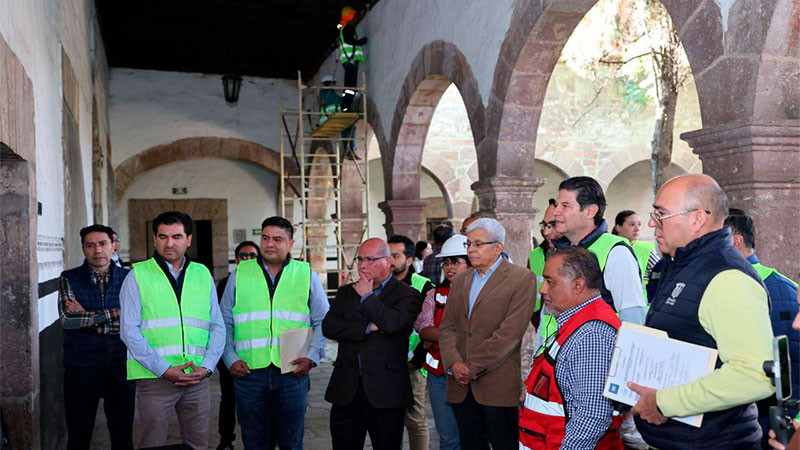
(543, 417)
(433, 360)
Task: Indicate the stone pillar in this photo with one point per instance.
(19, 355)
(510, 201)
(404, 217)
(758, 165)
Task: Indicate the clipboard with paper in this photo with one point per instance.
(649, 357)
(294, 344)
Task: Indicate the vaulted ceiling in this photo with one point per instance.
(267, 38)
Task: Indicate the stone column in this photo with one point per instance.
(404, 217)
(510, 200)
(758, 165)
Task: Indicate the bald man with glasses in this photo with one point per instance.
(372, 320)
(708, 295)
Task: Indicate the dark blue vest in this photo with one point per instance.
(675, 310)
(87, 347)
(586, 243)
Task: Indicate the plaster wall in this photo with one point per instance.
(150, 108)
(251, 192)
(36, 31)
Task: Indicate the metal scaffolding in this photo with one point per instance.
(304, 173)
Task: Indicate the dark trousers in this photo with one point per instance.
(350, 80)
(227, 405)
(480, 425)
(83, 389)
(350, 424)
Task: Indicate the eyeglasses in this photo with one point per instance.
(247, 256)
(370, 259)
(453, 262)
(478, 244)
(659, 219)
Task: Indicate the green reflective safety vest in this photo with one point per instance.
(330, 104)
(350, 53)
(547, 323)
(178, 332)
(765, 272)
(417, 282)
(642, 251)
(601, 247)
(258, 320)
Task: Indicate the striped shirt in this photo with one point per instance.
(581, 368)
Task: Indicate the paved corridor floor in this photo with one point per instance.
(317, 434)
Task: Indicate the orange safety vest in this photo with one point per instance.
(433, 360)
(543, 417)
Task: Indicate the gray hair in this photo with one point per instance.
(577, 262)
(493, 228)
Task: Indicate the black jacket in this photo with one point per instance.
(379, 357)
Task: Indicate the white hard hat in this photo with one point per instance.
(455, 246)
(328, 78)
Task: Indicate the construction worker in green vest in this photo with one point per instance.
(351, 53)
(401, 256)
(544, 323)
(267, 299)
(578, 215)
(330, 102)
(172, 326)
(628, 224)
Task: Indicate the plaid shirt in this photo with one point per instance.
(581, 368)
(104, 321)
(432, 268)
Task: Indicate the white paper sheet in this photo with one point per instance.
(648, 357)
(294, 344)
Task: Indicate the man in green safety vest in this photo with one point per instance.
(330, 102)
(402, 257)
(545, 323)
(351, 53)
(172, 326)
(265, 298)
(783, 300)
(579, 218)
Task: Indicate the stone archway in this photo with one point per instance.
(527, 57)
(193, 148)
(436, 66)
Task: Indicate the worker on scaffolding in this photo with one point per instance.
(330, 103)
(350, 54)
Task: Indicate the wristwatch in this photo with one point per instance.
(209, 372)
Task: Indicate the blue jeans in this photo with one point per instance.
(443, 413)
(271, 408)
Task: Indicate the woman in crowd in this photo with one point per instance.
(627, 224)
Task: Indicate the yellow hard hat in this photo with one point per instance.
(346, 11)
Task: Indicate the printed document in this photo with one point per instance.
(294, 344)
(648, 357)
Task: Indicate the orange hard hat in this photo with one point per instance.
(346, 11)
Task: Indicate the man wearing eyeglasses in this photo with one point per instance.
(372, 320)
(245, 251)
(709, 295)
(488, 310)
(266, 297)
(94, 355)
(544, 322)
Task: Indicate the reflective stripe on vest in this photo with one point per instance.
(178, 332)
(258, 320)
(543, 415)
(433, 359)
(765, 272)
(327, 111)
(350, 53)
(417, 282)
